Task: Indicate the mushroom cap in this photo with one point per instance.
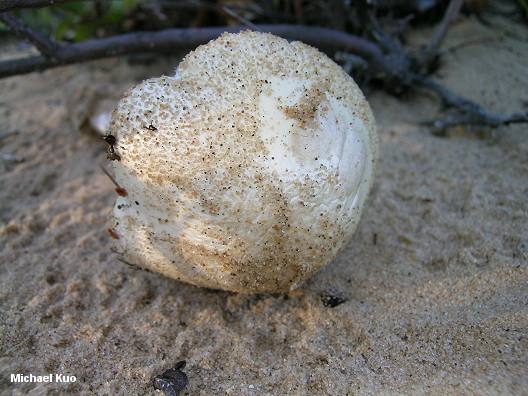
(248, 170)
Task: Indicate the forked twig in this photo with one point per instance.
(169, 39)
(469, 112)
(387, 58)
(46, 46)
(429, 52)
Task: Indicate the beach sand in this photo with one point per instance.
(435, 280)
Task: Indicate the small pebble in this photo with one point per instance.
(172, 381)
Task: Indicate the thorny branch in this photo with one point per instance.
(387, 58)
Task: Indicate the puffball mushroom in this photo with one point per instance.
(248, 170)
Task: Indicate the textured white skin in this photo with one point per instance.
(328, 144)
(256, 171)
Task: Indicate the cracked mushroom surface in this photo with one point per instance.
(248, 170)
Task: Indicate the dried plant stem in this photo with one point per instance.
(46, 46)
(169, 39)
(9, 5)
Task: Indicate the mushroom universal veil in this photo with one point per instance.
(246, 171)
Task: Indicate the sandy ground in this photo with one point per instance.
(435, 279)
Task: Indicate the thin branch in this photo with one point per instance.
(110, 177)
(131, 265)
(239, 18)
(9, 5)
(429, 52)
(169, 39)
(118, 189)
(156, 10)
(47, 47)
(449, 98)
(402, 70)
(469, 112)
(387, 57)
(491, 120)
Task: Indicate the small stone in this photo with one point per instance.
(332, 301)
(172, 381)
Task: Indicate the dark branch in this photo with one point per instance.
(491, 120)
(403, 70)
(170, 39)
(469, 112)
(46, 46)
(387, 57)
(430, 51)
(450, 98)
(9, 5)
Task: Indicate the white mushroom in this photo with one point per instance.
(248, 170)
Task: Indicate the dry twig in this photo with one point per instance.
(430, 51)
(239, 18)
(8, 5)
(387, 57)
(468, 112)
(169, 39)
(46, 46)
